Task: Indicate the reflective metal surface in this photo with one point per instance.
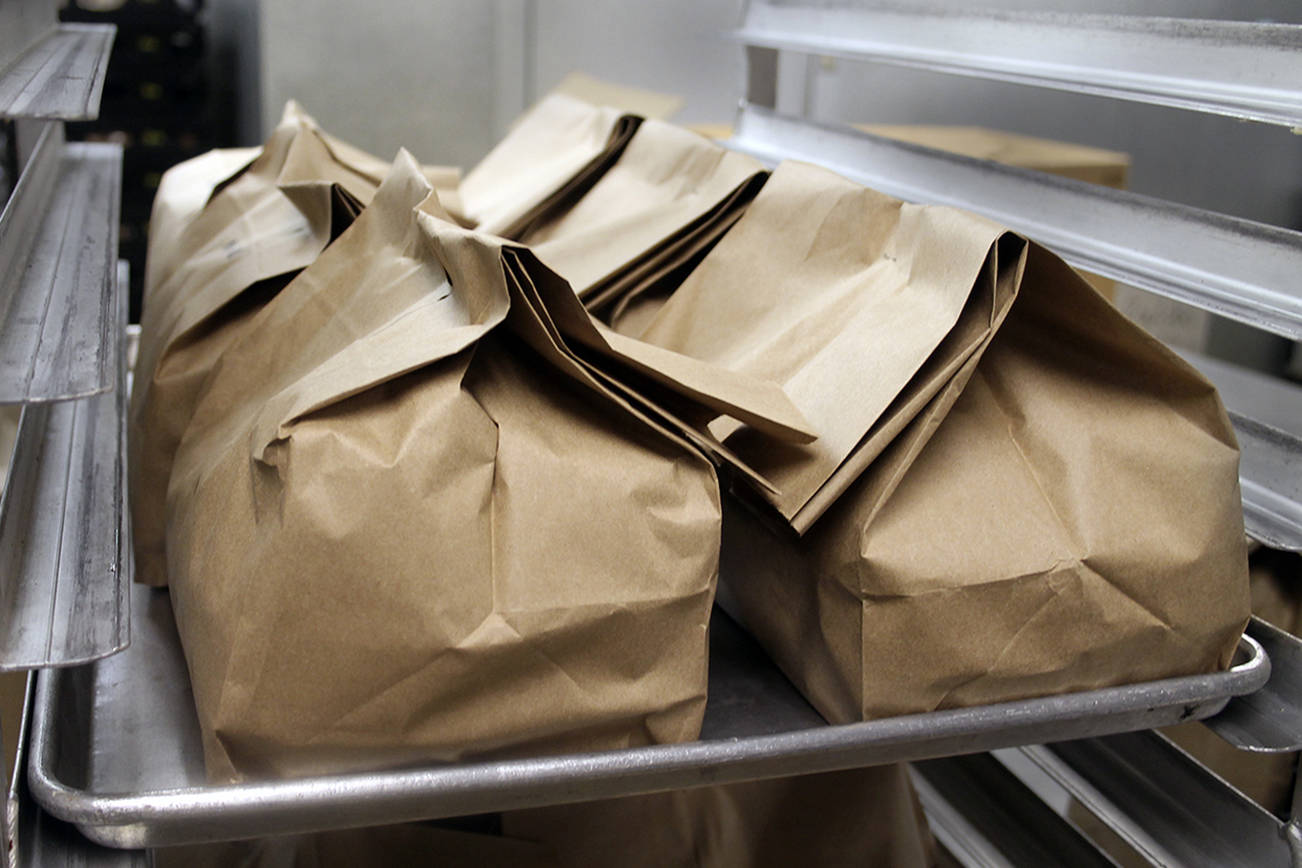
(1267, 416)
(63, 576)
(33, 839)
(985, 816)
(58, 244)
(116, 745)
(59, 77)
(1163, 802)
(1270, 719)
(1235, 268)
(1240, 69)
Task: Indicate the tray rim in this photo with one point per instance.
(208, 813)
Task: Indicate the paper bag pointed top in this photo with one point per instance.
(559, 145)
(839, 294)
(398, 534)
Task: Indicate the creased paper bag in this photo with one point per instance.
(667, 199)
(552, 154)
(254, 231)
(419, 514)
(862, 307)
(857, 817)
(182, 192)
(186, 191)
(1073, 523)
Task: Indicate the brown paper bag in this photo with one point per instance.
(398, 534)
(260, 227)
(668, 198)
(857, 817)
(552, 154)
(861, 306)
(182, 192)
(186, 189)
(1073, 523)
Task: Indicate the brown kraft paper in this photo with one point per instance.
(397, 533)
(263, 224)
(860, 306)
(552, 154)
(669, 196)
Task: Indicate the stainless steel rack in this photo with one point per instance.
(115, 746)
(1160, 800)
(62, 310)
(113, 750)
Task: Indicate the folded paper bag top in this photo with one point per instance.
(397, 533)
(858, 304)
(255, 230)
(182, 192)
(669, 196)
(553, 153)
(199, 199)
(1046, 498)
(196, 203)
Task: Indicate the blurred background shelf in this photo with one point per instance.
(60, 77)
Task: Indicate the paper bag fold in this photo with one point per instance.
(860, 306)
(397, 534)
(552, 154)
(258, 227)
(669, 195)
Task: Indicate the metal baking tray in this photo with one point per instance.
(115, 745)
(33, 839)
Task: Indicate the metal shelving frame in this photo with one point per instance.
(983, 807)
(63, 570)
(1161, 801)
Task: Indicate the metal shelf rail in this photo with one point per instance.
(60, 357)
(1160, 800)
(63, 571)
(61, 76)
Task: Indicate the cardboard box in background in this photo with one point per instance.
(1081, 162)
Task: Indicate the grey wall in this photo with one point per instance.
(444, 78)
(384, 73)
(235, 61)
(22, 22)
(671, 46)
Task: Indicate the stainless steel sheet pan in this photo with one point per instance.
(115, 745)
